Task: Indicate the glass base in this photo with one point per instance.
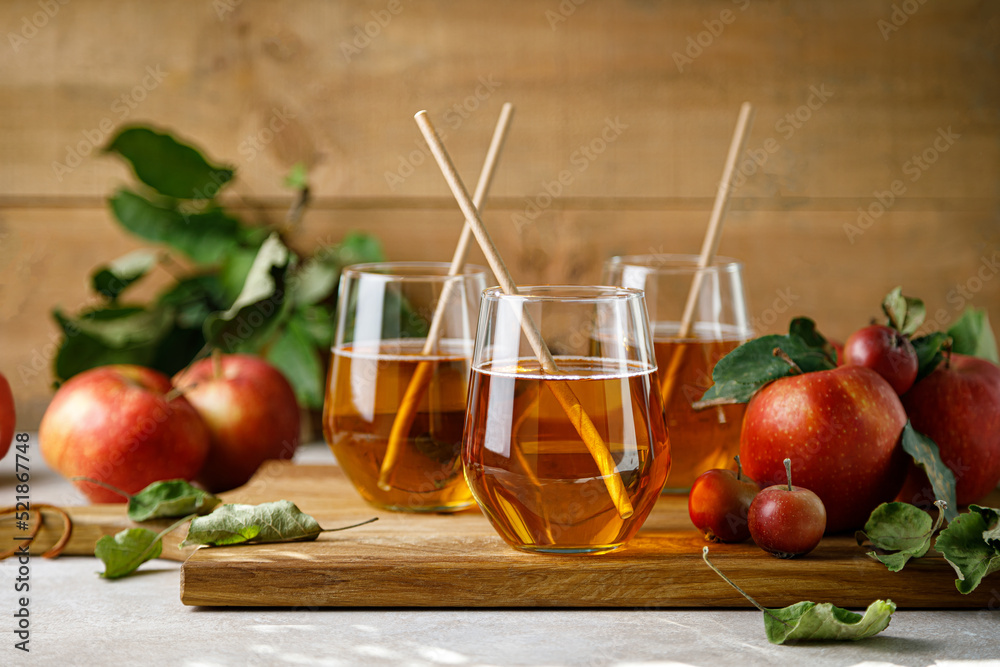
(555, 550)
(440, 509)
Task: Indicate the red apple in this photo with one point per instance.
(718, 504)
(841, 427)
(885, 351)
(785, 520)
(251, 414)
(117, 425)
(839, 349)
(958, 407)
(7, 416)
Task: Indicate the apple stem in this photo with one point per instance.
(174, 393)
(739, 467)
(947, 353)
(216, 363)
(166, 531)
(942, 506)
(113, 489)
(355, 525)
(781, 354)
(788, 472)
(704, 557)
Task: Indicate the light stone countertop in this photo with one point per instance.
(78, 618)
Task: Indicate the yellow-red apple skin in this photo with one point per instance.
(114, 424)
(958, 407)
(841, 428)
(251, 414)
(7, 416)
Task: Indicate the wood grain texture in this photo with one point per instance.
(266, 85)
(407, 560)
(796, 262)
(602, 100)
(91, 523)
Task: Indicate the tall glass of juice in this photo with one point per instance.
(565, 454)
(396, 392)
(700, 439)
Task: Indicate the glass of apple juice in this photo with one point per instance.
(566, 455)
(395, 399)
(700, 439)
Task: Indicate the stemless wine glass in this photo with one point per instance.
(566, 457)
(395, 404)
(700, 439)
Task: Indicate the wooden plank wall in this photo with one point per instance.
(633, 101)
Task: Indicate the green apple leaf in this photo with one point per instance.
(808, 621)
(317, 323)
(992, 516)
(170, 499)
(314, 282)
(318, 278)
(355, 248)
(926, 455)
(259, 306)
(745, 370)
(126, 551)
(117, 276)
(971, 546)
(804, 328)
(905, 314)
(973, 335)
(112, 335)
(930, 352)
(233, 272)
(121, 326)
(259, 283)
(295, 354)
(194, 298)
(280, 521)
(898, 532)
(205, 237)
(169, 166)
(130, 548)
(298, 177)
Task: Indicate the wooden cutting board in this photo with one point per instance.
(410, 560)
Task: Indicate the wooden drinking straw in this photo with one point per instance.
(710, 245)
(421, 379)
(564, 394)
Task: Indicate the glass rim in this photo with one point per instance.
(420, 271)
(673, 263)
(565, 293)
